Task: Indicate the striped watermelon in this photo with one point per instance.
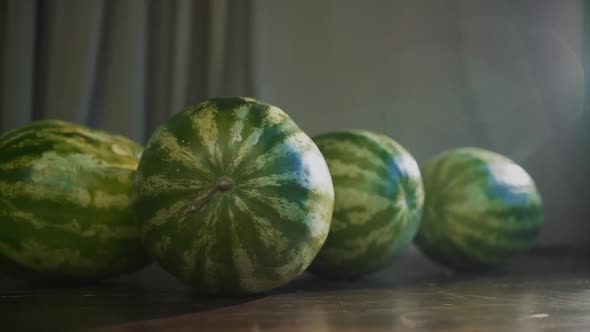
(233, 197)
(378, 206)
(481, 209)
(65, 203)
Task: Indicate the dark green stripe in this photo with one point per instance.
(14, 175)
(36, 150)
(63, 212)
(457, 183)
(105, 260)
(181, 127)
(360, 141)
(295, 232)
(454, 168)
(379, 169)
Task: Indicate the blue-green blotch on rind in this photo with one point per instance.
(65, 203)
(481, 209)
(378, 203)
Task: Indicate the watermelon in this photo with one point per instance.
(378, 203)
(481, 209)
(65, 203)
(233, 197)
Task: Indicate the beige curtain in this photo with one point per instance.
(123, 66)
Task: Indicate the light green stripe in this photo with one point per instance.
(46, 259)
(274, 116)
(78, 196)
(485, 214)
(370, 204)
(342, 147)
(173, 151)
(156, 185)
(242, 261)
(200, 250)
(352, 171)
(20, 162)
(459, 235)
(273, 180)
(51, 167)
(283, 206)
(298, 141)
(35, 192)
(205, 124)
(353, 248)
(174, 212)
(267, 233)
(237, 128)
(100, 231)
(121, 155)
(296, 262)
(245, 147)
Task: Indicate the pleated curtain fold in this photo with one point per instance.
(122, 66)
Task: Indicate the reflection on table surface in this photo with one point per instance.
(536, 292)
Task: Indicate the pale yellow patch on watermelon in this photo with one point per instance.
(41, 192)
(204, 123)
(155, 185)
(46, 259)
(238, 126)
(173, 151)
(275, 115)
(121, 150)
(53, 164)
(61, 169)
(126, 157)
(101, 199)
(245, 147)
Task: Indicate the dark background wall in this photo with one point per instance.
(503, 75)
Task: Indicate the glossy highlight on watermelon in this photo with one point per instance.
(378, 203)
(481, 209)
(233, 197)
(65, 203)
